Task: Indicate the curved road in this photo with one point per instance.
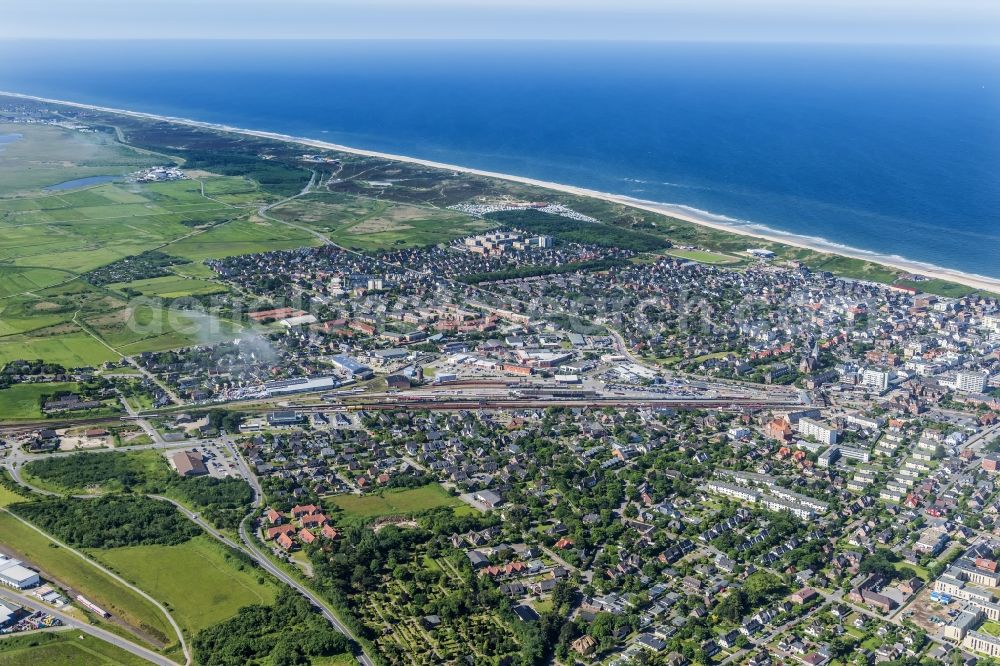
(72, 622)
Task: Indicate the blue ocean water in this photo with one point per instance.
(890, 149)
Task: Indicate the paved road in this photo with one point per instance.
(70, 621)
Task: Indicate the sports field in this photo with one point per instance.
(74, 572)
(65, 648)
(395, 502)
(200, 584)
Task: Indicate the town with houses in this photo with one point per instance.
(525, 445)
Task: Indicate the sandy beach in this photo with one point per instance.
(678, 211)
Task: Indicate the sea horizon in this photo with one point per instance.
(964, 240)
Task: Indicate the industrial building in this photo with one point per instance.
(300, 385)
(14, 574)
(352, 367)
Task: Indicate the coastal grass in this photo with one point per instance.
(363, 223)
(199, 581)
(395, 502)
(24, 401)
(66, 648)
(705, 257)
(8, 497)
(69, 570)
(47, 155)
(150, 327)
(939, 287)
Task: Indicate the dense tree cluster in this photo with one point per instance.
(287, 633)
(111, 521)
(224, 502)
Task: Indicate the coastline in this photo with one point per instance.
(678, 211)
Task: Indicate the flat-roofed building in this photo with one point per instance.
(16, 575)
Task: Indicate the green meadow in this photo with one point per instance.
(199, 580)
(171, 286)
(395, 502)
(23, 401)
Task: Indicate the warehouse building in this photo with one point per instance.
(352, 367)
(14, 574)
(300, 385)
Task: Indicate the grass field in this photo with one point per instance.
(990, 627)
(72, 571)
(395, 502)
(72, 350)
(46, 155)
(21, 401)
(241, 237)
(65, 648)
(372, 224)
(705, 257)
(200, 586)
(171, 286)
(8, 497)
(46, 310)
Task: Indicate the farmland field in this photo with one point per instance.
(171, 286)
(72, 350)
(395, 502)
(201, 585)
(48, 312)
(70, 570)
(66, 648)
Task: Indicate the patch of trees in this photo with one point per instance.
(760, 589)
(224, 502)
(587, 233)
(148, 264)
(880, 562)
(287, 633)
(533, 271)
(111, 521)
(225, 421)
(33, 367)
